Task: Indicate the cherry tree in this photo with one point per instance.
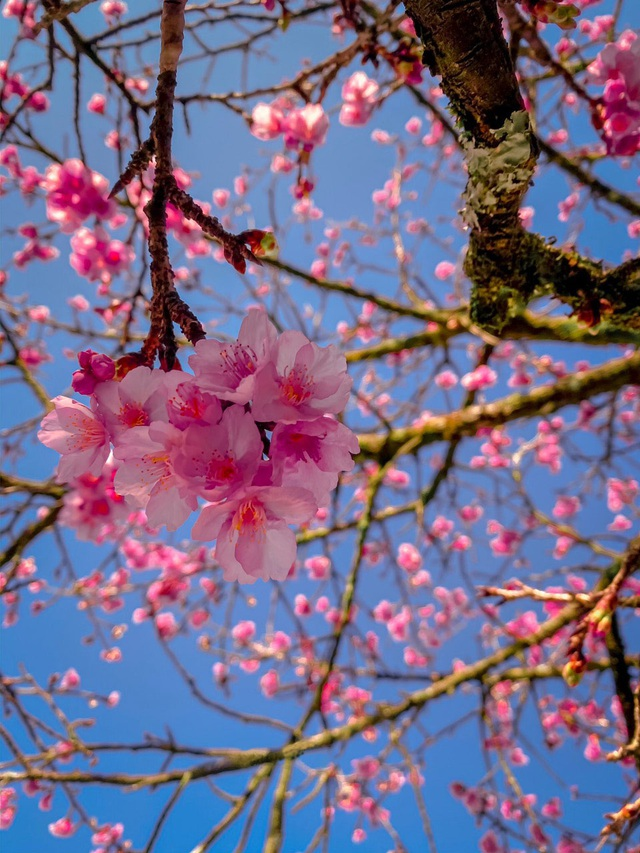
(321, 400)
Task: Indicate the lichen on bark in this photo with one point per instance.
(508, 266)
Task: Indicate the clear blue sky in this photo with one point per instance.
(154, 699)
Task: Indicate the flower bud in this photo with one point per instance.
(572, 672)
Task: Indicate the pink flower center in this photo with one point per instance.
(297, 385)
(221, 470)
(301, 445)
(251, 518)
(133, 415)
(240, 361)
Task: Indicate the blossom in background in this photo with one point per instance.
(98, 257)
(267, 121)
(306, 127)
(617, 66)
(74, 193)
(360, 94)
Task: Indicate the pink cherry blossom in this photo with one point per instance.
(621, 493)
(359, 94)
(39, 313)
(267, 121)
(506, 543)
(218, 460)
(311, 454)
(244, 632)
(228, 370)
(62, 828)
(221, 198)
(444, 270)
(92, 508)
(220, 672)
(593, 751)
(94, 368)
(482, 377)
(269, 683)
(166, 625)
(552, 808)
(78, 302)
(113, 9)
(319, 567)
(253, 539)
(34, 250)
(301, 382)
(302, 605)
(489, 843)
(75, 431)
(70, 680)
(566, 506)
(108, 834)
(97, 104)
(617, 67)
(409, 557)
(188, 405)
(75, 193)
(620, 522)
(7, 807)
(146, 474)
(446, 379)
(136, 400)
(98, 257)
(306, 127)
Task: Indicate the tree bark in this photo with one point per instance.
(508, 267)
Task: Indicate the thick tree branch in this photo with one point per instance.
(541, 401)
(508, 267)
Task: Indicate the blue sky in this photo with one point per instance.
(154, 698)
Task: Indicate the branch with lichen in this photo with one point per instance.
(567, 391)
(508, 266)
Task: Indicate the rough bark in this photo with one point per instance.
(508, 267)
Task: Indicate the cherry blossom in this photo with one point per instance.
(218, 460)
(62, 828)
(267, 121)
(74, 193)
(301, 382)
(252, 533)
(617, 67)
(359, 94)
(229, 370)
(75, 431)
(136, 400)
(306, 127)
(311, 454)
(98, 257)
(147, 475)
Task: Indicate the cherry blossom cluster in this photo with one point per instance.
(303, 128)
(617, 67)
(360, 95)
(252, 431)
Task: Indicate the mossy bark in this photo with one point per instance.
(464, 44)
